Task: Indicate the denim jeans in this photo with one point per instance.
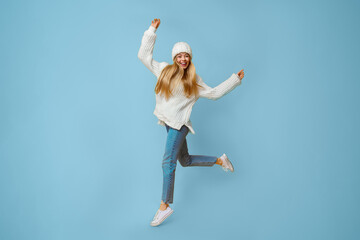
(176, 149)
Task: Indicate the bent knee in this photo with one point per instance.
(184, 161)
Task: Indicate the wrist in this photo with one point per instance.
(152, 28)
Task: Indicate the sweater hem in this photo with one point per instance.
(176, 125)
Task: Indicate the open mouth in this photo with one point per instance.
(183, 64)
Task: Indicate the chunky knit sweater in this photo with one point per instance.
(175, 111)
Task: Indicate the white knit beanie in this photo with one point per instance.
(181, 47)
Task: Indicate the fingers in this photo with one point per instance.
(155, 22)
(241, 73)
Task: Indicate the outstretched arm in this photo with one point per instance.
(145, 53)
(222, 89)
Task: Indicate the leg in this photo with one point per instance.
(174, 141)
(187, 160)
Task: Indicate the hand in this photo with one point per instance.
(241, 74)
(155, 23)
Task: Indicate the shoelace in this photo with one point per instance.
(225, 167)
(155, 217)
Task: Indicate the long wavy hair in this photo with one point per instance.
(173, 75)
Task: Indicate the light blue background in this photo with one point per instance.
(81, 151)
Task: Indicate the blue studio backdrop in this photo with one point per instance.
(81, 151)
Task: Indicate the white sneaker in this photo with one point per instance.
(226, 164)
(160, 216)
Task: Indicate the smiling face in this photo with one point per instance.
(183, 59)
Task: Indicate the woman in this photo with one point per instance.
(178, 88)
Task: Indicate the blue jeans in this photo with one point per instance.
(176, 149)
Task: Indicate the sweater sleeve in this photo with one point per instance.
(219, 91)
(145, 53)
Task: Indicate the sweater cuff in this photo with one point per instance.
(237, 77)
(152, 29)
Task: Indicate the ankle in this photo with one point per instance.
(218, 161)
(163, 206)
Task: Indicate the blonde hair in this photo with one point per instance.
(173, 75)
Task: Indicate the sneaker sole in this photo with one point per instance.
(166, 216)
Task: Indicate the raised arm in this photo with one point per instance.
(219, 91)
(145, 53)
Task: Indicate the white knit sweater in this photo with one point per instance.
(175, 111)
